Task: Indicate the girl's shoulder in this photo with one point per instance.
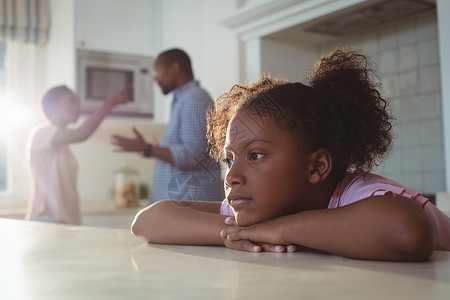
(355, 187)
(41, 135)
(40, 128)
(43, 126)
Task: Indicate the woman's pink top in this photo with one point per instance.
(355, 187)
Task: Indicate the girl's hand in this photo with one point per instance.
(121, 97)
(246, 238)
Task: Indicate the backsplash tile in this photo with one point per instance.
(431, 158)
(427, 27)
(428, 53)
(388, 62)
(408, 82)
(429, 79)
(433, 182)
(431, 132)
(430, 105)
(406, 33)
(407, 59)
(388, 39)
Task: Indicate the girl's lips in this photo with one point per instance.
(238, 202)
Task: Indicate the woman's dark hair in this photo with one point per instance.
(341, 110)
(51, 97)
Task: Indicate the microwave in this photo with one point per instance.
(101, 74)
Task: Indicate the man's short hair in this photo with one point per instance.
(179, 56)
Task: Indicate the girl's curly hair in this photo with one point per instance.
(341, 111)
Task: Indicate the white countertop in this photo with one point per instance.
(51, 261)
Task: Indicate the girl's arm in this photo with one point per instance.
(67, 136)
(180, 222)
(378, 228)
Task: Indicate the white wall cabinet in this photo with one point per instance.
(125, 27)
(131, 27)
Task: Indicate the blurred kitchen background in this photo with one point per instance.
(229, 42)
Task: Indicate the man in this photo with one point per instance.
(184, 170)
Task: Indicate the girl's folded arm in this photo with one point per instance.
(180, 222)
(379, 228)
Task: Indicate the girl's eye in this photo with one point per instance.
(228, 161)
(256, 156)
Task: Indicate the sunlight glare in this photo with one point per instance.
(12, 117)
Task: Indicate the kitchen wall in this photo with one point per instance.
(131, 27)
(290, 61)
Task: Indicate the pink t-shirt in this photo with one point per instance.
(357, 187)
(54, 172)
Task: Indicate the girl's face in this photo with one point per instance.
(68, 109)
(267, 174)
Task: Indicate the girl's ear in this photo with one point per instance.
(321, 166)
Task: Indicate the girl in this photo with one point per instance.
(298, 160)
(53, 166)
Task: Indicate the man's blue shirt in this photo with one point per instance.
(195, 175)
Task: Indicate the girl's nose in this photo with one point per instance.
(234, 176)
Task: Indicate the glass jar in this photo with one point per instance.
(127, 187)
